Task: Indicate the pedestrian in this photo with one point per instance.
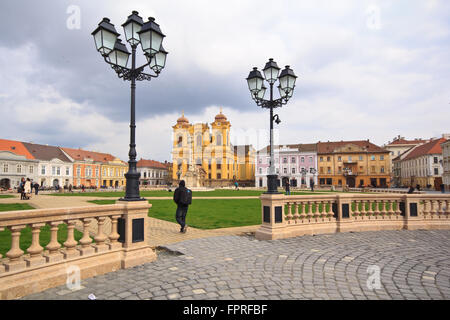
(236, 186)
(311, 183)
(443, 188)
(183, 198)
(27, 189)
(22, 188)
(36, 188)
(411, 189)
(287, 186)
(82, 187)
(70, 187)
(418, 187)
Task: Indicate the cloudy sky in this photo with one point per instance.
(367, 70)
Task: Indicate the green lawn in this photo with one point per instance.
(15, 206)
(212, 214)
(25, 238)
(103, 201)
(4, 196)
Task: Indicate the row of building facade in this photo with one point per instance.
(52, 166)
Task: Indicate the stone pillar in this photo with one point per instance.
(413, 213)
(273, 220)
(344, 213)
(135, 240)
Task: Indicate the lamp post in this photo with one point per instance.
(116, 54)
(257, 89)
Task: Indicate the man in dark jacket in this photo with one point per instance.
(181, 208)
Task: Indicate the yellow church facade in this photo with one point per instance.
(209, 148)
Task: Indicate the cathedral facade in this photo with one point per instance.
(208, 150)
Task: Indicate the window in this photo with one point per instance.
(361, 169)
(199, 140)
(218, 141)
(328, 158)
(435, 160)
(360, 158)
(42, 169)
(321, 170)
(19, 168)
(382, 170)
(372, 157)
(259, 160)
(321, 181)
(321, 159)
(293, 160)
(260, 170)
(373, 169)
(31, 169)
(219, 176)
(340, 182)
(329, 181)
(5, 167)
(284, 160)
(436, 171)
(180, 141)
(302, 159)
(96, 172)
(339, 158)
(78, 171)
(349, 158)
(339, 169)
(145, 174)
(67, 171)
(293, 170)
(53, 170)
(310, 159)
(381, 157)
(58, 171)
(285, 170)
(328, 169)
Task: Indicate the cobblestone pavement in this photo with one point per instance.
(413, 264)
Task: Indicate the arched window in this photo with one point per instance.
(198, 161)
(199, 140)
(219, 139)
(180, 141)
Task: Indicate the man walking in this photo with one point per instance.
(183, 198)
(311, 183)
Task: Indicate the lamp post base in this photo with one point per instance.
(132, 187)
(272, 187)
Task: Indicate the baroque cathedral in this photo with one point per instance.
(208, 150)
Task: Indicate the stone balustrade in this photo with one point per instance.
(125, 245)
(290, 216)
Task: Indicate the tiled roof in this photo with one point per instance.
(151, 164)
(403, 141)
(15, 147)
(432, 147)
(329, 147)
(46, 153)
(81, 155)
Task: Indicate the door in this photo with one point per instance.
(351, 182)
(437, 183)
(5, 183)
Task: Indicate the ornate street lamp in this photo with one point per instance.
(116, 54)
(257, 89)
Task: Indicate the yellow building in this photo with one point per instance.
(353, 163)
(210, 149)
(112, 172)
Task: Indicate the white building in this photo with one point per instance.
(153, 173)
(14, 167)
(55, 168)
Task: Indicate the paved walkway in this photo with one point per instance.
(412, 265)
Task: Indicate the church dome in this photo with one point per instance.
(182, 120)
(221, 117)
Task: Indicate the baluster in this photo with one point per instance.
(383, 210)
(35, 250)
(363, 210)
(377, 212)
(15, 252)
(432, 209)
(296, 215)
(86, 240)
(289, 214)
(114, 236)
(440, 211)
(330, 213)
(303, 214)
(426, 209)
(101, 237)
(356, 211)
(71, 243)
(316, 210)
(322, 212)
(391, 211)
(447, 208)
(309, 211)
(369, 212)
(53, 246)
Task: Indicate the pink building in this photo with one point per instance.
(295, 162)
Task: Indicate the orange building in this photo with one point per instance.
(86, 167)
(353, 163)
